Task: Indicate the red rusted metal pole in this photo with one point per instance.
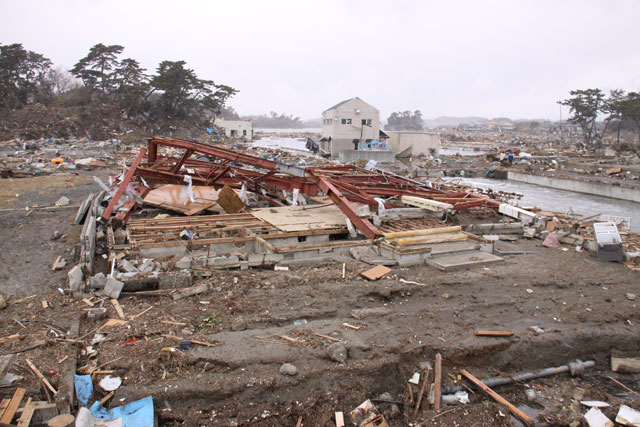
(123, 184)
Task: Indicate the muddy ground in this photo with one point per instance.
(582, 305)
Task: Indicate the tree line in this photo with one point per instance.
(173, 92)
(405, 120)
(587, 105)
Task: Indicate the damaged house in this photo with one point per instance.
(349, 120)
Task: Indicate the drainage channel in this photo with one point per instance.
(540, 376)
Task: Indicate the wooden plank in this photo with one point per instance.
(425, 380)
(118, 308)
(10, 338)
(229, 200)
(7, 415)
(327, 337)
(42, 377)
(301, 218)
(3, 406)
(620, 364)
(376, 272)
(27, 414)
(430, 239)
(515, 411)
(177, 338)
(54, 266)
(494, 333)
(322, 245)
(423, 232)
(437, 383)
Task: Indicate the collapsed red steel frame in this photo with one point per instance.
(217, 166)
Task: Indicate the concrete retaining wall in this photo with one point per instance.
(594, 188)
(380, 156)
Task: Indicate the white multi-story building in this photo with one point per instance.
(347, 121)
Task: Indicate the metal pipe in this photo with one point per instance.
(575, 368)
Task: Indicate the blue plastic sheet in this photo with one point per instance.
(134, 414)
(84, 388)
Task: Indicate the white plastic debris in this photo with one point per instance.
(110, 383)
(415, 379)
(462, 396)
(628, 416)
(595, 403)
(595, 418)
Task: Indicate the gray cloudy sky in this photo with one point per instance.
(454, 58)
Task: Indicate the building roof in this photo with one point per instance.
(344, 102)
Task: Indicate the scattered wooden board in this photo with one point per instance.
(118, 308)
(302, 218)
(515, 411)
(42, 378)
(229, 200)
(27, 414)
(376, 272)
(494, 333)
(175, 198)
(625, 364)
(14, 404)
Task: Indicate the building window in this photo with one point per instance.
(244, 132)
(346, 121)
(366, 122)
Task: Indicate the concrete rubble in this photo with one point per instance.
(257, 285)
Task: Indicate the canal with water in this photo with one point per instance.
(560, 200)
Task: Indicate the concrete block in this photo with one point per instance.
(62, 201)
(98, 281)
(163, 252)
(222, 261)
(112, 288)
(306, 254)
(256, 259)
(273, 258)
(147, 266)
(455, 262)
(184, 263)
(96, 312)
(128, 267)
(177, 279)
(76, 278)
(199, 262)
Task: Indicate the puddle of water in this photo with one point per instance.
(562, 200)
(452, 151)
(277, 142)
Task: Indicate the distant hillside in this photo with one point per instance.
(452, 121)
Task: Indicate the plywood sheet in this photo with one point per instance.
(175, 197)
(302, 218)
(376, 272)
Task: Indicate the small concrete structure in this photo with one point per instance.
(352, 119)
(235, 129)
(578, 186)
(380, 156)
(420, 143)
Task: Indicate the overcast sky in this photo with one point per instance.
(445, 58)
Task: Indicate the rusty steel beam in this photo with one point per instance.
(366, 228)
(223, 153)
(180, 162)
(123, 185)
